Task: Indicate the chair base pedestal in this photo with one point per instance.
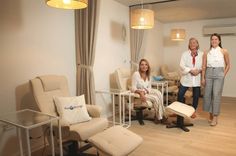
(180, 124)
(73, 150)
(140, 117)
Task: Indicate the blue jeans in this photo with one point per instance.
(196, 94)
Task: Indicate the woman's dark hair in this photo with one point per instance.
(149, 69)
(218, 36)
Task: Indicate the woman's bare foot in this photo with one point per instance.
(193, 116)
(214, 121)
(210, 117)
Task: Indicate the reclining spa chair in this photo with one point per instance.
(123, 81)
(182, 111)
(173, 78)
(45, 88)
(108, 141)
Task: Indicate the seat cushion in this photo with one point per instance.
(87, 129)
(181, 109)
(188, 94)
(116, 141)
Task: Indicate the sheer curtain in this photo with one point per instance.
(85, 35)
(136, 40)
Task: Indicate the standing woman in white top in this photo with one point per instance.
(141, 84)
(216, 64)
(191, 68)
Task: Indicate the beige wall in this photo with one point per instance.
(173, 50)
(112, 48)
(34, 40)
(37, 40)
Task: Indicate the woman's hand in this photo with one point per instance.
(203, 82)
(195, 72)
(142, 96)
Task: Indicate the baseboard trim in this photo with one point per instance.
(229, 99)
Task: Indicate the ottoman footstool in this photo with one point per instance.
(115, 141)
(183, 111)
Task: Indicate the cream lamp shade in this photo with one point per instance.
(178, 34)
(142, 19)
(68, 4)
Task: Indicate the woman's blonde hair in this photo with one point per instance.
(149, 69)
(192, 38)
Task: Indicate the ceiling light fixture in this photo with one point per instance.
(142, 18)
(68, 4)
(178, 34)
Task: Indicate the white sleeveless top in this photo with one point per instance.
(215, 58)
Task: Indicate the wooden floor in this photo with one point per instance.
(202, 140)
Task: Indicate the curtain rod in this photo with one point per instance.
(152, 3)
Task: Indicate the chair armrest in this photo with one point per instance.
(63, 123)
(94, 110)
(65, 129)
(136, 95)
(171, 82)
(173, 76)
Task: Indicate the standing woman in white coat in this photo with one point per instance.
(191, 68)
(215, 66)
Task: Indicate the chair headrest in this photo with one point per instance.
(123, 72)
(122, 77)
(50, 82)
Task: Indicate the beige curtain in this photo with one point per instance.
(136, 40)
(85, 34)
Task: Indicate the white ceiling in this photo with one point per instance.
(186, 10)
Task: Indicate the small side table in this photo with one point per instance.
(121, 97)
(27, 119)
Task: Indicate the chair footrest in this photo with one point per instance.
(116, 141)
(181, 109)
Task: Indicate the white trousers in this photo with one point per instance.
(156, 99)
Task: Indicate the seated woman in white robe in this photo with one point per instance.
(141, 84)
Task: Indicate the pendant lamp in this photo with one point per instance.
(178, 34)
(142, 19)
(68, 4)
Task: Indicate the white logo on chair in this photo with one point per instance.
(73, 107)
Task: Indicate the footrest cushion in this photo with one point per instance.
(116, 141)
(181, 109)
